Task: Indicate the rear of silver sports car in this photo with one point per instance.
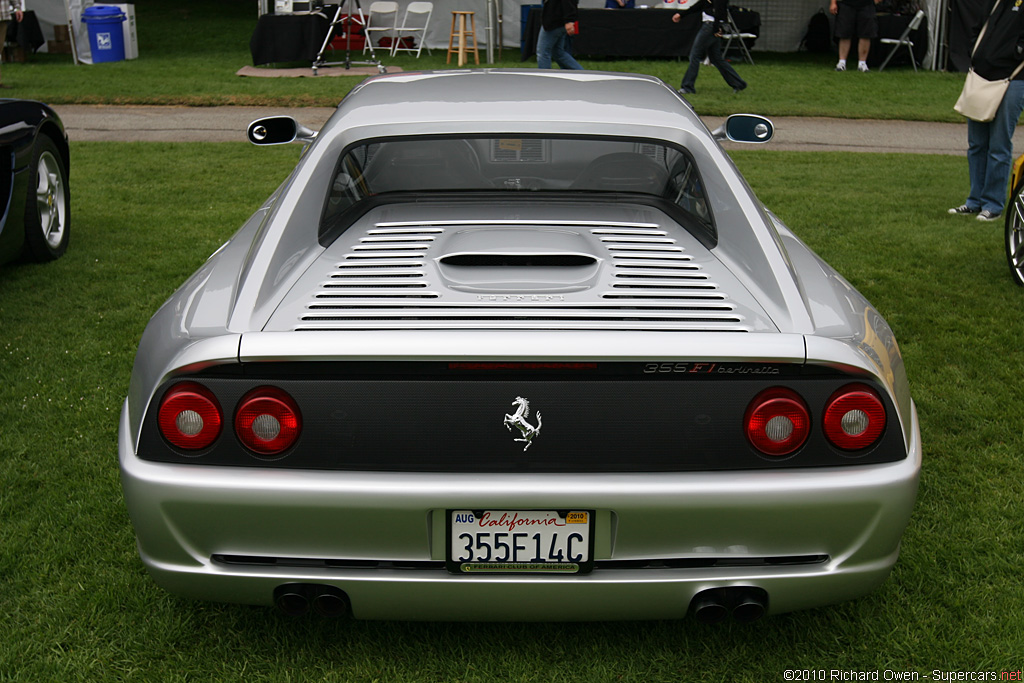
(628, 437)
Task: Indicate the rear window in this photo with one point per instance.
(513, 164)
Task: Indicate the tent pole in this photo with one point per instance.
(71, 32)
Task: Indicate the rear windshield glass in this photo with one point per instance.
(516, 165)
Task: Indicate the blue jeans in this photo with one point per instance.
(554, 45)
(707, 44)
(990, 152)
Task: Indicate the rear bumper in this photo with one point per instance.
(186, 516)
(600, 596)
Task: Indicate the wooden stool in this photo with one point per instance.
(460, 32)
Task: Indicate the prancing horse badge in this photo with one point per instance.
(518, 420)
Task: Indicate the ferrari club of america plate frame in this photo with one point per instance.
(520, 541)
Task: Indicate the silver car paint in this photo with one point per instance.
(184, 514)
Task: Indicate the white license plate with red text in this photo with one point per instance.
(532, 541)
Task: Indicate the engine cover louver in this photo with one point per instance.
(519, 275)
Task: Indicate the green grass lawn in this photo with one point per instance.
(190, 51)
(77, 604)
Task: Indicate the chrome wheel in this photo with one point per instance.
(1015, 235)
(50, 204)
(47, 202)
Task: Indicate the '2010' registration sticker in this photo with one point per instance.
(531, 541)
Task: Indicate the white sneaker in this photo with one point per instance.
(862, 67)
(841, 66)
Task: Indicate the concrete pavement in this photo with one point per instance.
(221, 124)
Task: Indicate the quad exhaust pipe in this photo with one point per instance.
(745, 604)
(297, 599)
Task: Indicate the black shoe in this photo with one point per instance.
(687, 91)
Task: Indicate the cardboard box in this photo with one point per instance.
(13, 54)
(58, 47)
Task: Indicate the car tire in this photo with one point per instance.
(1015, 233)
(47, 203)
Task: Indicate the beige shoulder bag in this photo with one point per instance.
(980, 98)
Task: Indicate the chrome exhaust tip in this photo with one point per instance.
(332, 602)
(749, 610)
(296, 599)
(746, 604)
(291, 599)
(709, 610)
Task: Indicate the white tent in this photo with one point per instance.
(63, 13)
(50, 13)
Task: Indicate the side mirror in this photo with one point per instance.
(278, 130)
(745, 128)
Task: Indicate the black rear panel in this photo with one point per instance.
(441, 417)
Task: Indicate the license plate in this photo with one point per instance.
(531, 541)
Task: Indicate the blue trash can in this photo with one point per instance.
(106, 36)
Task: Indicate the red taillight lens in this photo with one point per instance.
(190, 416)
(854, 418)
(268, 421)
(777, 422)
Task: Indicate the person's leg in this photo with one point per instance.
(725, 68)
(844, 48)
(1000, 149)
(698, 51)
(561, 53)
(867, 30)
(545, 44)
(863, 48)
(977, 161)
(844, 30)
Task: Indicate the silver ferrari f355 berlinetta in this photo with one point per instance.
(518, 345)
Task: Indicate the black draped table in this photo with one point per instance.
(634, 32)
(288, 38)
(26, 33)
(623, 33)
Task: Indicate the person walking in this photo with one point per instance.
(558, 21)
(708, 44)
(998, 51)
(9, 9)
(855, 18)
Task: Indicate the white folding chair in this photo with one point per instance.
(904, 40)
(731, 32)
(382, 20)
(414, 24)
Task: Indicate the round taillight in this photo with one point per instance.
(854, 418)
(190, 416)
(777, 422)
(268, 421)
